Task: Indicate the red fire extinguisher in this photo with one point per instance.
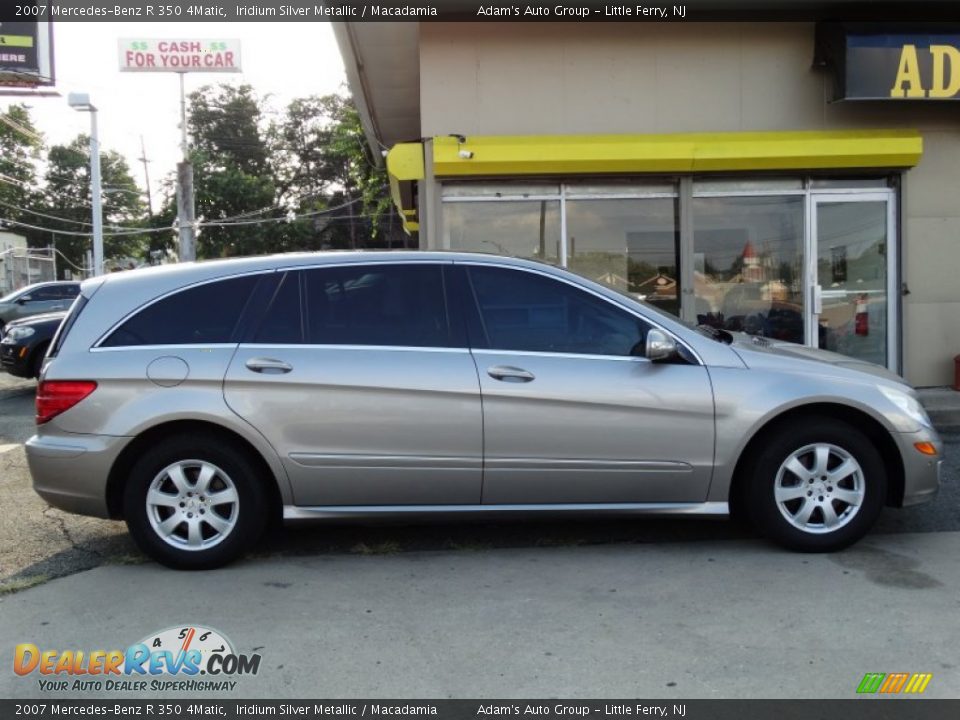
(861, 320)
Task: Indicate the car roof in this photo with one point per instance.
(182, 274)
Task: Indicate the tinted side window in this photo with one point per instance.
(50, 292)
(283, 322)
(69, 291)
(199, 315)
(400, 305)
(525, 311)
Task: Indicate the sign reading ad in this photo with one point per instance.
(903, 67)
(26, 56)
(139, 55)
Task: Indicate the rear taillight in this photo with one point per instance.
(57, 396)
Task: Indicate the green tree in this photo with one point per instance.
(66, 194)
(231, 172)
(302, 181)
(20, 147)
(323, 161)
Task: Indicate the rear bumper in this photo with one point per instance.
(70, 471)
(921, 476)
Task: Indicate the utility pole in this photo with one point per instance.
(146, 175)
(185, 207)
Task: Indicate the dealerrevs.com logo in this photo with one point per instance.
(186, 658)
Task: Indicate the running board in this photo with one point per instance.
(326, 512)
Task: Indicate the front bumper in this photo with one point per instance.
(70, 471)
(921, 473)
(15, 359)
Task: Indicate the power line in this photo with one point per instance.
(214, 223)
(131, 231)
(62, 219)
(124, 231)
(292, 200)
(27, 132)
(19, 183)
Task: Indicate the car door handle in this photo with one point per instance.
(507, 373)
(268, 365)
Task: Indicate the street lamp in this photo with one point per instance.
(81, 102)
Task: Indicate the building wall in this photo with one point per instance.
(518, 79)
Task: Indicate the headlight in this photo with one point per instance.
(18, 333)
(910, 406)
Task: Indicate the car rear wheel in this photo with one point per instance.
(817, 486)
(194, 503)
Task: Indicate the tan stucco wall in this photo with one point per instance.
(518, 79)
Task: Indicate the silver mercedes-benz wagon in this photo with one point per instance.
(197, 401)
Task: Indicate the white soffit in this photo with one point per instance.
(382, 62)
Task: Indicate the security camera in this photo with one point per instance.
(465, 154)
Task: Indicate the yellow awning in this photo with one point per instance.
(678, 153)
(404, 168)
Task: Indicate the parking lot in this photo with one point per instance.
(622, 607)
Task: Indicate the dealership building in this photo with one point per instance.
(799, 180)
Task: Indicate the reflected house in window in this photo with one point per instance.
(752, 269)
(659, 287)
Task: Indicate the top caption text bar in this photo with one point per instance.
(470, 11)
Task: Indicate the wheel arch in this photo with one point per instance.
(878, 435)
(116, 479)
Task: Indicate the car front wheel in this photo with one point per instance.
(817, 486)
(194, 503)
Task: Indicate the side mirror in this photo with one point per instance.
(659, 346)
(23, 299)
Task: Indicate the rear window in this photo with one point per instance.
(200, 315)
(67, 325)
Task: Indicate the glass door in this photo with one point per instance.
(852, 268)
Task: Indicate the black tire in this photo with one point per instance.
(36, 360)
(785, 441)
(237, 468)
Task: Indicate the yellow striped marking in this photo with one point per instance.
(918, 683)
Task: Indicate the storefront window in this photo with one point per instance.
(630, 244)
(852, 276)
(754, 264)
(748, 264)
(526, 228)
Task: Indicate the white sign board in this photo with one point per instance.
(179, 56)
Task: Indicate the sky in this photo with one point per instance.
(282, 60)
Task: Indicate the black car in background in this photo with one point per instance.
(25, 343)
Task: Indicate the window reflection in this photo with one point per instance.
(852, 272)
(748, 263)
(526, 229)
(632, 245)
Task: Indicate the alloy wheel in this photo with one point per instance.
(819, 488)
(192, 505)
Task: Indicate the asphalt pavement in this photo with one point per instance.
(659, 620)
(630, 608)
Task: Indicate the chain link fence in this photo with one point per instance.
(24, 266)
